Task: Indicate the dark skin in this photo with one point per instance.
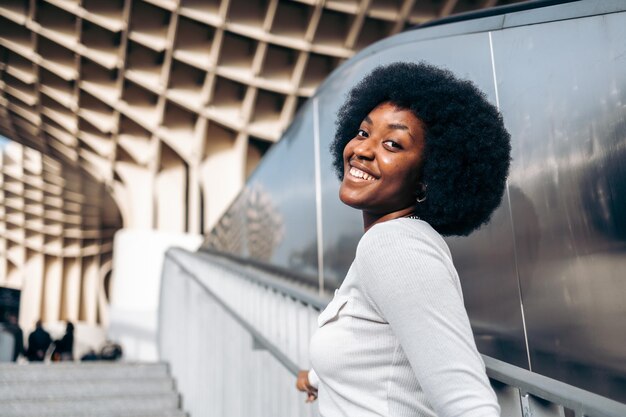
(303, 384)
(382, 171)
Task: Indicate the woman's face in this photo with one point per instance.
(382, 163)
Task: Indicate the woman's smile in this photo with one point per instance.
(359, 172)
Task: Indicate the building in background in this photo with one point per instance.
(56, 238)
(168, 106)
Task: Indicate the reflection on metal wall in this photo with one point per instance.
(543, 282)
(274, 216)
(253, 224)
(569, 123)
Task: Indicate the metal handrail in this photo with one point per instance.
(582, 402)
(263, 277)
(290, 365)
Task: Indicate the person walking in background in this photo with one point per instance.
(38, 343)
(64, 348)
(11, 326)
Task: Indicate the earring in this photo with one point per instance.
(422, 198)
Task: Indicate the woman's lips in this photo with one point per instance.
(357, 173)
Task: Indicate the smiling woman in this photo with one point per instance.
(466, 147)
(421, 154)
(383, 163)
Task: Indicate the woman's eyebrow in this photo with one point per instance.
(397, 126)
(400, 126)
(394, 126)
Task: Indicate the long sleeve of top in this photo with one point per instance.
(313, 379)
(396, 340)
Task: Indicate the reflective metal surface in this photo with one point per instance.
(568, 121)
(486, 265)
(543, 282)
(274, 216)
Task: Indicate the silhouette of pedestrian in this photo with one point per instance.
(91, 355)
(64, 348)
(14, 328)
(38, 343)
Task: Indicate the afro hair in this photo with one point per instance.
(467, 148)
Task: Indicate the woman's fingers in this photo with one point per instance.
(311, 397)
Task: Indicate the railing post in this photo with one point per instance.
(525, 403)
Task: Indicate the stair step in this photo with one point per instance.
(167, 413)
(81, 371)
(29, 390)
(132, 405)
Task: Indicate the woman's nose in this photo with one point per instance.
(364, 149)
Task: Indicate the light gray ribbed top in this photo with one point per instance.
(396, 340)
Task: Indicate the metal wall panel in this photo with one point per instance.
(563, 95)
(487, 268)
(273, 219)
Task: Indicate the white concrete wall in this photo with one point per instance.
(135, 286)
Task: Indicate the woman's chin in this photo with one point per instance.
(349, 199)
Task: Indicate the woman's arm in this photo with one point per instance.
(409, 277)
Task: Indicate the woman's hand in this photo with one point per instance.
(303, 384)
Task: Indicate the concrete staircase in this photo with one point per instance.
(93, 389)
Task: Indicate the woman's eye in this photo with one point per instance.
(393, 145)
(362, 133)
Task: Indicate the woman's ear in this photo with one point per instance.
(420, 194)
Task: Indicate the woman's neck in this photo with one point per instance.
(370, 219)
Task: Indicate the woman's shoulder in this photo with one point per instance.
(401, 233)
(403, 251)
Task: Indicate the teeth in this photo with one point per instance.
(355, 172)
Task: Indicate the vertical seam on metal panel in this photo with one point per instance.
(318, 197)
(508, 197)
(493, 72)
